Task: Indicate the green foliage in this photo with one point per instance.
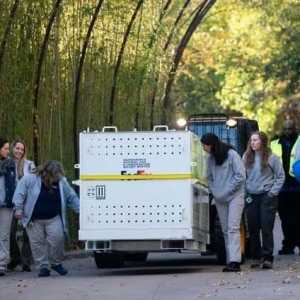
(250, 51)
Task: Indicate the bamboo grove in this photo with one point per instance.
(66, 65)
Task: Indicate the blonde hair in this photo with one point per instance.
(20, 166)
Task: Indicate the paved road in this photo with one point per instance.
(164, 277)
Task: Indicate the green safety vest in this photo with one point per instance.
(295, 153)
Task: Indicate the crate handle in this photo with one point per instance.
(161, 127)
(115, 129)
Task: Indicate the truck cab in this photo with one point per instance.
(234, 130)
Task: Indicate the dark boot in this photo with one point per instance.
(232, 267)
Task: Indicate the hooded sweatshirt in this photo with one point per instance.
(227, 180)
(269, 180)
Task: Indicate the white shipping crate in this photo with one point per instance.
(144, 210)
(112, 154)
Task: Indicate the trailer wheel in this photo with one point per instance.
(219, 243)
(136, 256)
(105, 260)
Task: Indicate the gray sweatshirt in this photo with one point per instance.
(270, 180)
(227, 180)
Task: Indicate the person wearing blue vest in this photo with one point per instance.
(289, 196)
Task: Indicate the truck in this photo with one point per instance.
(145, 191)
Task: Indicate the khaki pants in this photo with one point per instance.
(5, 222)
(230, 214)
(47, 242)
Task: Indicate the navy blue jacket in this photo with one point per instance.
(10, 183)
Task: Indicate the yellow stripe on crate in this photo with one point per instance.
(139, 177)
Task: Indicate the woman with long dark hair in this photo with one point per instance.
(225, 179)
(265, 178)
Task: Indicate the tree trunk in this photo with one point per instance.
(204, 7)
(119, 61)
(7, 31)
(37, 82)
(77, 82)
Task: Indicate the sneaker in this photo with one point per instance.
(12, 265)
(266, 264)
(44, 272)
(255, 263)
(26, 268)
(286, 251)
(60, 269)
(232, 267)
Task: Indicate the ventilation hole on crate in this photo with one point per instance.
(128, 221)
(143, 214)
(179, 220)
(114, 221)
(165, 221)
(157, 221)
(157, 205)
(150, 221)
(135, 221)
(143, 221)
(173, 221)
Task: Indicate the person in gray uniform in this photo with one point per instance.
(265, 178)
(225, 179)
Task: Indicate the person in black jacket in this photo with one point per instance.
(7, 188)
